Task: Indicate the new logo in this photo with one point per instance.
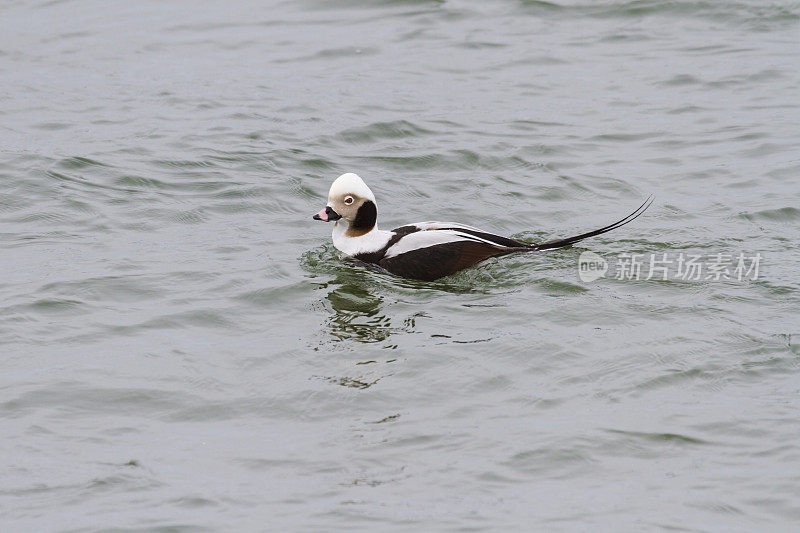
(591, 266)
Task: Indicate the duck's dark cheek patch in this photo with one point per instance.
(366, 216)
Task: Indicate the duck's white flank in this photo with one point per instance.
(425, 239)
(435, 224)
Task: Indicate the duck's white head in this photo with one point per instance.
(351, 200)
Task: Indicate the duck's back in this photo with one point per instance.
(431, 250)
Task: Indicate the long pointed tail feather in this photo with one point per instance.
(571, 240)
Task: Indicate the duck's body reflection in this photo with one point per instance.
(367, 320)
(357, 313)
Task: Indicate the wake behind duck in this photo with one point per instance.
(425, 250)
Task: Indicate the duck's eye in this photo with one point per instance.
(348, 200)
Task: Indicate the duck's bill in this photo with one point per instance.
(327, 214)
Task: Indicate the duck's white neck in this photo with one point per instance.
(371, 241)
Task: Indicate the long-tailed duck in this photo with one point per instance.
(425, 250)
